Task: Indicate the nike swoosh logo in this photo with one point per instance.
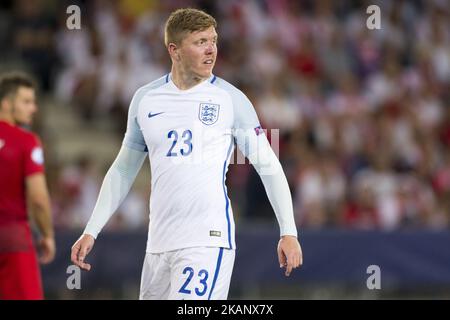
(154, 114)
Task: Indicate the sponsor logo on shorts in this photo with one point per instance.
(214, 233)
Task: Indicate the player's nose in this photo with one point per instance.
(33, 108)
(210, 49)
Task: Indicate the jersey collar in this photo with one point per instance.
(211, 79)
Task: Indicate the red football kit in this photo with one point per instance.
(20, 156)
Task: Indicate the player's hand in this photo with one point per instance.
(81, 249)
(47, 249)
(289, 253)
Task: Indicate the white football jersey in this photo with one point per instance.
(189, 136)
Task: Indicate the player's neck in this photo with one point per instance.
(7, 118)
(183, 80)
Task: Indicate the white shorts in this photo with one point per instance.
(201, 273)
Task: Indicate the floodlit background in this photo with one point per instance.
(364, 120)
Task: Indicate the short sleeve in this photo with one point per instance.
(245, 116)
(133, 136)
(246, 128)
(34, 155)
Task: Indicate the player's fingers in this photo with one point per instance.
(45, 258)
(82, 253)
(77, 263)
(288, 268)
(85, 266)
(48, 256)
(296, 260)
(281, 258)
(290, 263)
(52, 254)
(48, 250)
(74, 254)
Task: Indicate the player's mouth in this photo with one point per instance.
(209, 62)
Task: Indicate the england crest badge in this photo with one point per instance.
(208, 113)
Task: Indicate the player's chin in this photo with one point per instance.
(207, 69)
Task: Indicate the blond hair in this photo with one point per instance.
(186, 20)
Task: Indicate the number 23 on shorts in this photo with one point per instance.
(200, 287)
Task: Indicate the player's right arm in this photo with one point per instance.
(116, 185)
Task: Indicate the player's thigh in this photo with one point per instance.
(201, 273)
(155, 278)
(20, 278)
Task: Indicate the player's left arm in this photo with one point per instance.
(254, 145)
(277, 189)
(40, 211)
(38, 199)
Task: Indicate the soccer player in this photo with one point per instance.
(187, 122)
(22, 185)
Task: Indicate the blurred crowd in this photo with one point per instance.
(363, 115)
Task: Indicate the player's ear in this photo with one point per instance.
(173, 51)
(5, 104)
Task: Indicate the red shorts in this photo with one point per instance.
(20, 278)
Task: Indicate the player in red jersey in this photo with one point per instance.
(23, 189)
